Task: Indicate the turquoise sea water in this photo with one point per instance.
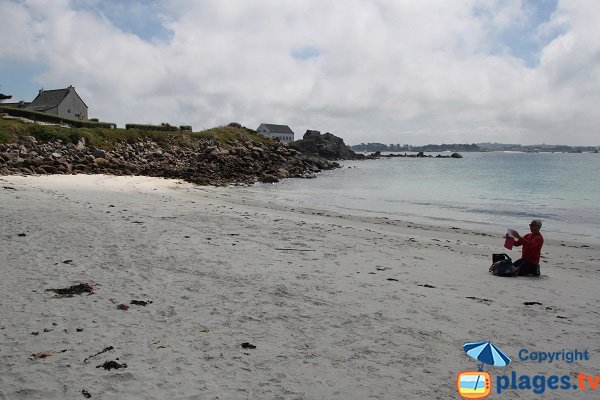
(489, 191)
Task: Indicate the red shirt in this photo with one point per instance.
(532, 247)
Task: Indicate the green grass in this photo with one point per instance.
(107, 138)
(5, 137)
(228, 134)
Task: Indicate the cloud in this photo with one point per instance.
(17, 30)
(388, 71)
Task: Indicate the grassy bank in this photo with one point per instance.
(106, 138)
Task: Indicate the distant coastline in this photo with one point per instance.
(479, 147)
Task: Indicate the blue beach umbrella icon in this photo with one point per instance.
(486, 353)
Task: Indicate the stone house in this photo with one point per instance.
(61, 102)
(281, 132)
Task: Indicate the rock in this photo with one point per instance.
(108, 365)
(80, 167)
(8, 156)
(27, 139)
(456, 155)
(18, 162)
(37, 161)
(328, 146)
(283, 173)
(268, 178)
(141, 302)
(99, 153)
(102, 162)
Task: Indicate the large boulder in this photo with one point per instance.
(326, 145)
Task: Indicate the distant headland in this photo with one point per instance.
(537, 148)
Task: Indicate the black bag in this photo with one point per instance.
(502, 265)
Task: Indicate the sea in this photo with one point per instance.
(485, 191)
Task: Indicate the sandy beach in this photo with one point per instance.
(337, 306)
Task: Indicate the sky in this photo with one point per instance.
(387, 71)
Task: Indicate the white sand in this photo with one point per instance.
(326, 321)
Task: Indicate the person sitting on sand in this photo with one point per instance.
(529, 263)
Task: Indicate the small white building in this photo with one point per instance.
(62, 102)
(281, 132)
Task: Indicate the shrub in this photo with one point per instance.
(143, 127)
(5, 137)
(55, 119)
(226, 134)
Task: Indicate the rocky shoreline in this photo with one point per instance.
(332, 147)
(200, 160)
(204, 161)
(377, 155)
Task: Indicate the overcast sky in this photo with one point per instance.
(390, 71)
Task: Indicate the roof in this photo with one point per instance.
(48, 99)
(278, 128)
